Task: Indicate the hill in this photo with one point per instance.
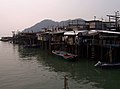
(49, 24)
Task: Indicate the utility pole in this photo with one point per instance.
(115, 18)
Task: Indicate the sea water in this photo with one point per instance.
(33, 68)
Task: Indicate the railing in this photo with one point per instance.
(101, 42)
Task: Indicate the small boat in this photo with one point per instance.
(6, 39)
(107, 65)
(65, 55)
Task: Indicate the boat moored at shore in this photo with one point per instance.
(107, 65)
(65, 55)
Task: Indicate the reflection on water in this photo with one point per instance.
(32, 68)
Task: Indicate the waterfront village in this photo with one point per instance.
(96, 40)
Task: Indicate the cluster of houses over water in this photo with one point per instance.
(96, 40)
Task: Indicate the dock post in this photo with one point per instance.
(65, 82)
(92, 52)
(87, 51)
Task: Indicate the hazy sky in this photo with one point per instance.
(21, 14)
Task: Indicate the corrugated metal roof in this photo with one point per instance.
(112, 32)
(58, 32)
(102, 31)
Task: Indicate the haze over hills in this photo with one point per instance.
(50, 24)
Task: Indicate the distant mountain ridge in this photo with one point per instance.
(49, 24)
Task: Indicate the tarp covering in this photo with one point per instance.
(74, 32)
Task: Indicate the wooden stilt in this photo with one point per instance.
(110, 54)
(65, 82)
